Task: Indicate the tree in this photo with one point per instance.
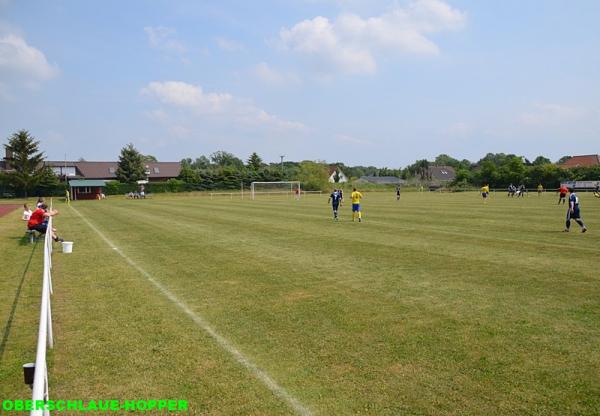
(188, 174)
(222, 158)
(422, 169)
(541, 160)
(25, 160)
(445, 160)
(131, 165)
(254, 162)
(313, 175)
(149, 158)
(201, 162)
(563, 160)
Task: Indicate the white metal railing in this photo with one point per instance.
(40, 380)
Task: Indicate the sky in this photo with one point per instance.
(363, 82)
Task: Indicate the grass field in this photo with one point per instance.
(434, 305)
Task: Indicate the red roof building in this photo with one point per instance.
(581, 161)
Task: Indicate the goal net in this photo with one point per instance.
(291, 189)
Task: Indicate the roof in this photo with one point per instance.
(77, 183)
(333, 168)
(381, 180)
(107, 170)
(442, 173)
(583, 160)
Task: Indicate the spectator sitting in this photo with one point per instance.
(39, 221)
(39, 202)
(26, 212)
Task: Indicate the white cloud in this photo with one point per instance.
(22, 62)
(351, 43)
(164, 38)
(228, 44)
(272, 76)
(223, 105)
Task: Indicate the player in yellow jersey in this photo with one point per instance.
(356, 197)
(485, 191)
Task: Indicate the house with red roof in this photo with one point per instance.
(581, 161)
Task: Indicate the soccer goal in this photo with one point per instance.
(291, 188)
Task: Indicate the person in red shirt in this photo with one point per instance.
(562, 194)
(39, 221)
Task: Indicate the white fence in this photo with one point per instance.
(40, 380)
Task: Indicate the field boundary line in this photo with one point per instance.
(225, 344)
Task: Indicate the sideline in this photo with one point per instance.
(261, 375)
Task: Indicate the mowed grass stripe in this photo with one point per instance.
(525, 256)
(503, 307)
(261, 375)
(523, 269)
(120, 338)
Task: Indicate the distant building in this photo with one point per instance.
(333, 171)
(581, 161)
(442, 173)
(156, 171)
(381, 180)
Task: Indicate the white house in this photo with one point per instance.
(335, 171)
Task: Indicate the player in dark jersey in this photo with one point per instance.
(573, 212)
(597, 190)
(397, 193)
(335, 198)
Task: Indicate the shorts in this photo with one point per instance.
(335, 206)
(41, 228)
(573, 215)
(484, 194)
(562, 195)
(355, 207)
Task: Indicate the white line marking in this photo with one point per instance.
(261, 375)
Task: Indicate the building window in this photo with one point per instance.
(111, 170)
(84, 190)
(64, 170)
(156, 170)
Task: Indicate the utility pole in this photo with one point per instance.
(282, 175)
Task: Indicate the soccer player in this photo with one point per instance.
(356, 197)
(335, 199)
(397, 193)
(521, 191)
(597, 190)
(573, 211)
(562, 193)
(485, 191)
(511, 190)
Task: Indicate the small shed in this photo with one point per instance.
(86, 188)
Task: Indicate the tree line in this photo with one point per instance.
(224, 170)
(500, 170)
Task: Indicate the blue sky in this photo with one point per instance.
(362, 82)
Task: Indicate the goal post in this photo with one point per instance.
(286, 188)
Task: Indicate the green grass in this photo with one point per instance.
(437, 304)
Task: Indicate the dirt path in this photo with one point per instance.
(5, 209)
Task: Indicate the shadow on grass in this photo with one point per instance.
(11, 316)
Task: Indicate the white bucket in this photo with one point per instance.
(67, 246)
